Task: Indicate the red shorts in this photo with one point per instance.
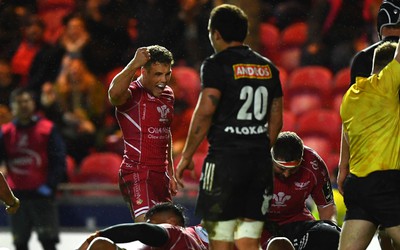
(143, 188)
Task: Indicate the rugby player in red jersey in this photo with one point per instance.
(144, 110)
(299, 173)
(165, 229)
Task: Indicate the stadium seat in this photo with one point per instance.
(332, 162)
(99, 168)
(110, 76)
(269, 40)
(289, 121)
(186, 83)
(294, 35)
(283, 76)
(321, 144)
(52, 13)
(321, 123)
(71, 168)
(309, 87)
(341, 83)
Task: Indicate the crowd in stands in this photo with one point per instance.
(67, 51)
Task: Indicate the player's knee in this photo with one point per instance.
(249, 229)
(140, 218)
(102, 244)
(280, 243)
(323, 235)
(220, 230)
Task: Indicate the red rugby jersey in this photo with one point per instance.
(145, 123)
(289, 199)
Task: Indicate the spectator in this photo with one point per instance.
(299, 173)
(240, 111)
(8, 82)
(34, 154)
(107, 22)
(76, 42)
(11, 16)
(144, 110)
(158, 23)
(77, 104)
(31, 58)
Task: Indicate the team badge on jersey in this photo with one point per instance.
(280, 199)
(163, 110)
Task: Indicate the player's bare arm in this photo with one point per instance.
(397, 53)
(199, 126)
(118, 92)
(171, 171)
(327, 212)
(343, 161)
(275, 121)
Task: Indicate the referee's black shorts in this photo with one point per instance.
(375, 198)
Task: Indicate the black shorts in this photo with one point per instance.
(375, 198)
(312, 235)
(235, 184)
(40, 214)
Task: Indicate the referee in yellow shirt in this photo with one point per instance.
(370, 182)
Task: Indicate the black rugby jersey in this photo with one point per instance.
(248, 83)
(361, 64)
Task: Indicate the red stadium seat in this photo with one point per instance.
(321, 144)
(52, 13)
(99, 168)
(283, 76)
(270, 41)
(110, 76)
(332, 162)
(294, 35)
(312, 85)
(186, 84)
(321, 123)
(303, 102)
(341, 83)
(289, 121)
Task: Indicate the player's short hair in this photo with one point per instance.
(159, 54)
(230, 21)
(168, 207)
(384, 54)
(288, 147)
(388, 15)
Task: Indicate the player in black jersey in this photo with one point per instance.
(240, 111)
(388, 28)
